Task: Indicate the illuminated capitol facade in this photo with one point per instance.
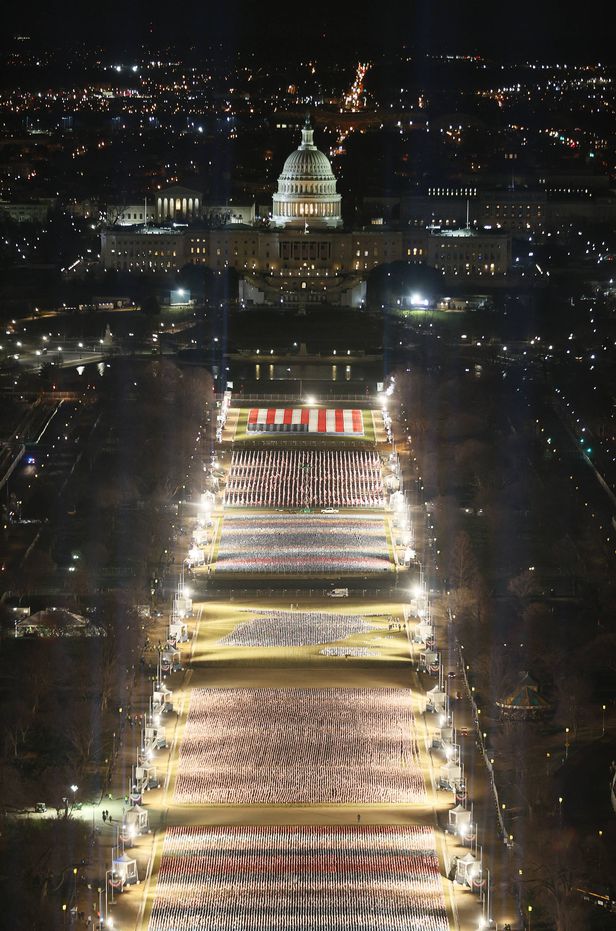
(306, 195)
(302, 254)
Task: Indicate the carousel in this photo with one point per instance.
(524, 702)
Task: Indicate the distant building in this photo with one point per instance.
(36, 211)
(307, 189)
(179, 204)
(304, 255)
(130, 214)
(147, 248)
(450, 206)
(229, 214)
(463, 254)
(521, 210)
(88, 208)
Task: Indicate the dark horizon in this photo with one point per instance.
(524, 32)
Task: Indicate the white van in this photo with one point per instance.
(338, 593)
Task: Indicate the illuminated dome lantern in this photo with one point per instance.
(307, 188)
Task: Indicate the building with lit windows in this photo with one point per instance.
(306, 195)
(450, 206)
(179, 204)
(130, 214)
(35, 211)
(304, 255)
(144, 248)
(531, 210)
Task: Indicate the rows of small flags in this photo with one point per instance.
(304, 478)
(305, 420)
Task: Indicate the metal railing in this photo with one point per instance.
(301, 398)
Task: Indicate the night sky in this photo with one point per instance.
(541, 29)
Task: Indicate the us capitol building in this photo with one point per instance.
(303, 254)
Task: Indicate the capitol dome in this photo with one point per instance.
(307, 188)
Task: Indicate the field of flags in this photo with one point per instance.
(268, 878)
(303, 544)
(296, 478)
(271, 628)
(264, 746)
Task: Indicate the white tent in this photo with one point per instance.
(429, 661)
(155, 737)
(125, 868)
(436, 699)
(196, 556)
(459, 820)
(162, 700)
(170, 660)
(182, 607)
(54, 622)
(423, 632)
(450, 775)
(467, 868)
(442, 736)
(419, 606)
(178, 631)
(136, 821)
(145, 778)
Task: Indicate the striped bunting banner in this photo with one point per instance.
(305, 420)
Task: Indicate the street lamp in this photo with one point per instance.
(566, 742)
(603, 720)
(530, 910)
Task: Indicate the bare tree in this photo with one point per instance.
(524, 586)
(554, 869)
(463, 564)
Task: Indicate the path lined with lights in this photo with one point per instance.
(301, 753)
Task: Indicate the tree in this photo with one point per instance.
(42, 854)
(15, 790)
(572, 694)
(463, 564)
(553, 871)
(37, 569)
(81, 738)
(17, 722)
(150, 305)
(524, 586)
